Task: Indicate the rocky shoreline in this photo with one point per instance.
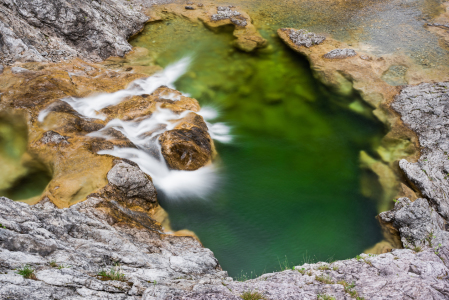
(118, 232)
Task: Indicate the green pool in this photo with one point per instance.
(290, 180)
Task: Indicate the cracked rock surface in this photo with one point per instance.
(424, 108)
(81, 241)
(67, 248)
(54, 30)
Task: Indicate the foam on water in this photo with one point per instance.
(174, 184)
(144, 133)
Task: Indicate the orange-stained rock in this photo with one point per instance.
(60, 143)
(188, 146)
(247, 37)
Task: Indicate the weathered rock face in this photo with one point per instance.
(57, 30)
(418, 224)
(67, 248)
(424, 109)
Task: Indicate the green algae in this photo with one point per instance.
(291, 177)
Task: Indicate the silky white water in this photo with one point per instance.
(144, 134)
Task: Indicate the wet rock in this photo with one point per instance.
(395, 75)
(132, 181)
(247, 39)
(188, 146)
(424, 109)
(190, 7)
(302, 37)
(365, 57)
(340, 53)
(52, 137)
(62, 30)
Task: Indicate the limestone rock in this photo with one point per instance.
(418, 224)
(57, 30)
(424, 109)
(67, 248)
(340, 53)
(302, 37)
(132, 181)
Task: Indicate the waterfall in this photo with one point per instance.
(144, 134)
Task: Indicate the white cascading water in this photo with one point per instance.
(174, 184)
(90, 106)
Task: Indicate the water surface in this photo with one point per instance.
(290, 182)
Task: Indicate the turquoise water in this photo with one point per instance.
(290, 180)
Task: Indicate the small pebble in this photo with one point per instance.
(200, 5)
(190, 7)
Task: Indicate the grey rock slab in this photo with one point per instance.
(340, 53)
(417, 222)
(81, 242)
(302, 37)
(424, 108)
(55, 30)
(132, 181)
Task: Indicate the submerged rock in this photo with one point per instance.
(248, 39)
(340, 53)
